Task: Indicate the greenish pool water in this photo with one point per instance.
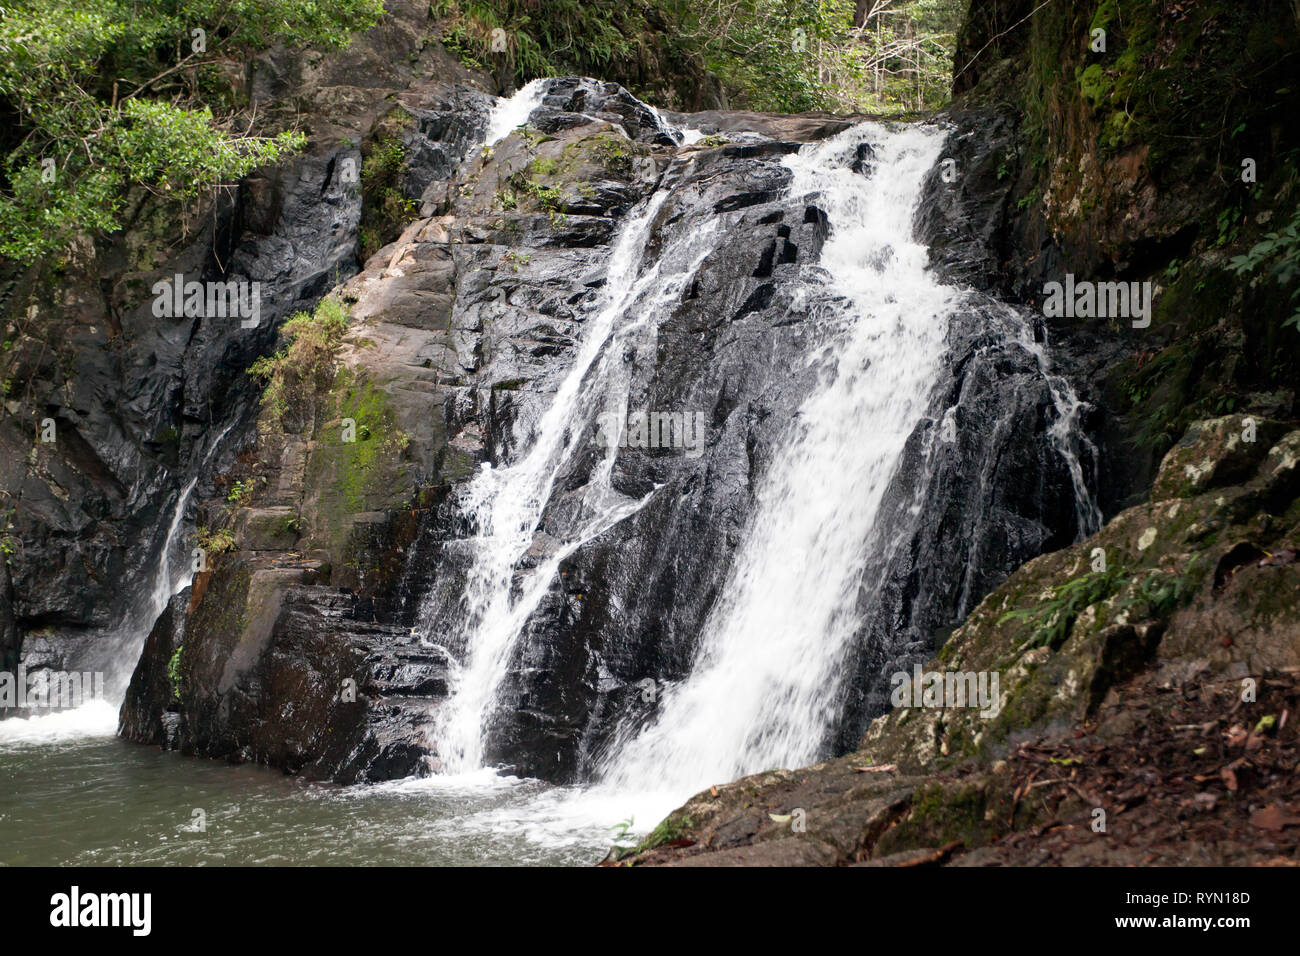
(73, 793)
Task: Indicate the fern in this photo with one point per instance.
(1053, 619)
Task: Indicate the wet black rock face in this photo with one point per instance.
(150, 711)
(574, 101)
(139, 401)
(262, 660)
(980, 236)
(138, 416)
(324, 689)
(630, 606)
(492, 293)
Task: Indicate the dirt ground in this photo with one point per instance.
(1188, 776)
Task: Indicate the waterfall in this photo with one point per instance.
(1067, 437)
(506, 504)
(121, 650)
(164, 583)
(513, 111)
(122, 647)
(764, 687)
(770, 674)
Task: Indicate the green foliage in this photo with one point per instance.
(1162, 594)
(174, 672)
(614, 152)
(549, 198)
(507, 199)
(304, 365)
(8, 543)
(1228, 225)
(779, 55)
(620, 829)
(241, 492)
(1052, 619)
(515, 260)
(106, 96)
(671, 829)
(216, 541)
(531, 135)
(795, 55)
(385, 159)
(623, 843)
(590, 37)
(1278, 253)
(385, 209)
(288, 525)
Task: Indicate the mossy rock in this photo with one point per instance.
(941, 813)
(1167, 565)
(267, 529)
(1213, 454)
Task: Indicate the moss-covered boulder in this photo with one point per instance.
(1213, 454)
(1069, 626)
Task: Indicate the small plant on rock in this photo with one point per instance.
(304, 366)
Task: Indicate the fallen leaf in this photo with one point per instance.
(1285, 556)
(933, 856)
(1229, 779)
(1274, 817)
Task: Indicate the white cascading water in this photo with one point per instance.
(506, 504)
(1067, 436)
(168, 580)
(98, 718)
(164, 582)
(513, 111)
(763, 689)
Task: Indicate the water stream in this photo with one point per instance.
(764, 687)
(506, 504)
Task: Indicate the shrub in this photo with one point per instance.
(303, 366)
(105, 97)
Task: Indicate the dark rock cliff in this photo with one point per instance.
(139, 402)
(1129, 162)
(461, 330)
